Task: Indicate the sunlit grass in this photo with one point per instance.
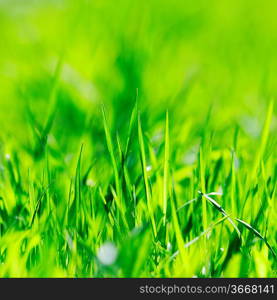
(138, 139)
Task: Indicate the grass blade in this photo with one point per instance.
(166, 169)
(145, 177)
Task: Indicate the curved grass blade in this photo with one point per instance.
(219, 208)
(256, 232)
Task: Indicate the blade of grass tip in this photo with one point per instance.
(199, 198)
(215, 193)
(264, 138)
(202, 179)
(145, 178)
(112, 155)
(236, 137)
(68, 204)
(256, 232)
(101, 194)
(166, 167)
(187, 203)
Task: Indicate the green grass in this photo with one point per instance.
(138, 139)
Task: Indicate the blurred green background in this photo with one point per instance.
(180, 55)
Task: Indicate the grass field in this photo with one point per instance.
(138, 138)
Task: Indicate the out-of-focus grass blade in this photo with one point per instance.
(53, 96)
(131, 126)
(264, 138)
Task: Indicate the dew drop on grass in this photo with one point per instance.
(148, 168)
(107, 254)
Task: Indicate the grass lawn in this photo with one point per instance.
(138, 138)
